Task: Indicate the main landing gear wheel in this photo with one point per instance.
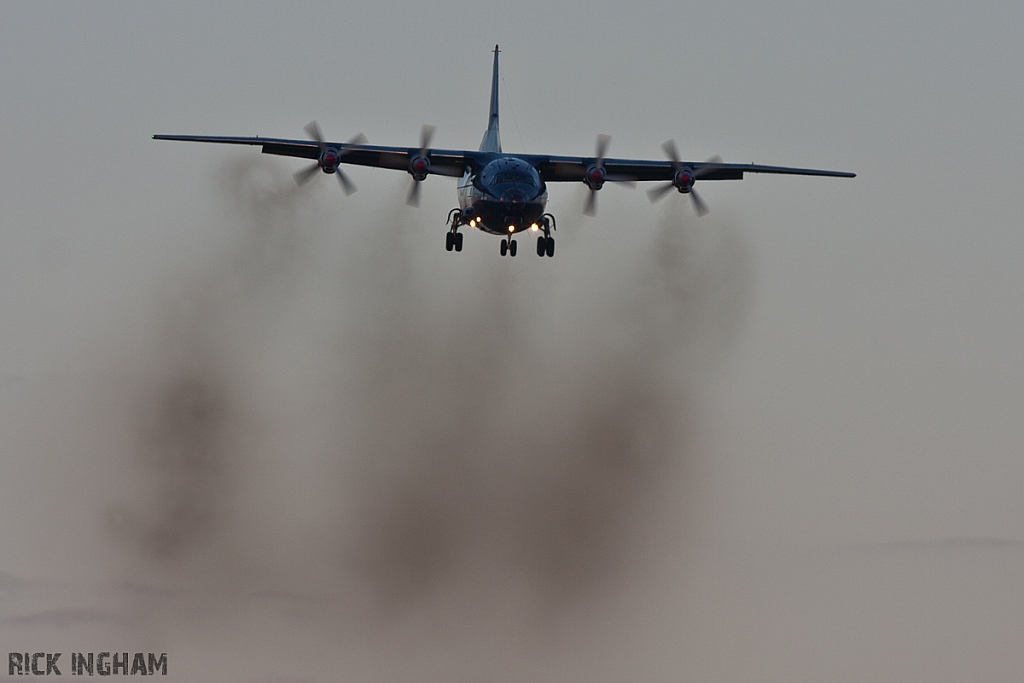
(508, 247)
(545, 246)
(453, 240)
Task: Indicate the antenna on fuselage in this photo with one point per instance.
(492, 141)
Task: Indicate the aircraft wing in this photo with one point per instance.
(570, 169)
(455, 162)
(442, 162)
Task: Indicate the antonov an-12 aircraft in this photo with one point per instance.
(499, 193)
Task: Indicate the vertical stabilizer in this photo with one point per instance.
(492, 141)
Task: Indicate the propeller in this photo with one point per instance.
(684, 178)
(596, 175)
(419, 165)
(328, 159)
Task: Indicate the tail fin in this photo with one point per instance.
(492, 141)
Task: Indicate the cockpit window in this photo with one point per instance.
(508, 172)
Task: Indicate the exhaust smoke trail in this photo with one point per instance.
(377, 453)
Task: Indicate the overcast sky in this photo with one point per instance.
(849, 352)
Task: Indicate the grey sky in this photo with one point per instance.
(864, 408)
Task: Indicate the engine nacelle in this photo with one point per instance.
(595, 177)
(419, 167)
(329, 160)
(683, 179)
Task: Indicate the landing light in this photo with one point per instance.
(511, 228)
(534, 227)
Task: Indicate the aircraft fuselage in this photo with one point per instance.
(507, 196)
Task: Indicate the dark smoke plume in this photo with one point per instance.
(351, 422)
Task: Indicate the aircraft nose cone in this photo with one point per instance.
(514, 195)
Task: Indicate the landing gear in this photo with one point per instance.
(453, 240)
(508, 246)
(546, 243)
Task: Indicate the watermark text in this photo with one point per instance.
(87, 664)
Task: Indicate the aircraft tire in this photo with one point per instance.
(550, 248)
(449, 241)
(541, 245)
(504, 247)
(458, 241)
(511, 247)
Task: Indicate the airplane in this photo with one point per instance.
(501, 193)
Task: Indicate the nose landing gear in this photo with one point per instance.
(508, 246)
